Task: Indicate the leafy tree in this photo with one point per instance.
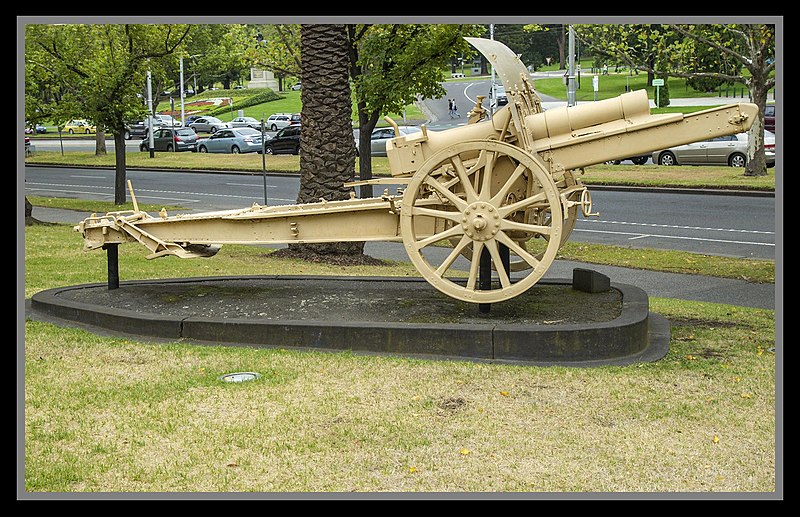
(674, 47)
(391, 65)
(98, 70)
(276, 48)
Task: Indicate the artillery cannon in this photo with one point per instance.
(501, 192)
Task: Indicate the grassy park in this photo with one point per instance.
(122, 415)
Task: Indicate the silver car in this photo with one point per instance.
(381, 135)
(246, 122)
(208, 125)
(728, 150)
(233, 140)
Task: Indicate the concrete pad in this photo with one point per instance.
(550, 324)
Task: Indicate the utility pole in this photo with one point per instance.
(571, 76)
(494, 92)
(183, 113)
(150, 115)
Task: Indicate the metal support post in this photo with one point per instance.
(112, 256)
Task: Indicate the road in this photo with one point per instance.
(726, 225)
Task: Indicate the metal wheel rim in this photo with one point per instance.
(479, 206)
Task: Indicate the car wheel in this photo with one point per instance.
(142, 147)
(737, 160)
(87, 131)
(195, 130)
(273, 127)
(235, 149)
(296, 150)
(202, 149)
(641, 160)
(268, 150)
(213, 129)
(169, 147)
(71, 132)
(612, 162)
(127, 135)
(667, 159)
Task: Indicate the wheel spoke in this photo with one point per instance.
(519, 250)
(498, 263)
(521, 204)
(464, 177)
(452, 232)
(463, 243)
(500, 196)
(438, 187)
(474, 266)
(441, 214)
(486, 186)
(506, 224)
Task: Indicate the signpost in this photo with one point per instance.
(658, 83)
(595, 85)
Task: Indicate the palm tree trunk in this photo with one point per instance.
(327, 149)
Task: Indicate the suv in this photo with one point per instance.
(281, 120)
(769, 118)
(171, 139)
(287, 141)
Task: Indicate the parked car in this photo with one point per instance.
(168, 121)
(637, 160)
(231, 140)
(246, 122)
(171, 139)
(722, 150)
(191, 118)
(280, 120)
(208, 125)
(502, 100)
(139, 128)
(286, 141)
(35, 128)
(380, 135)
(79, 126)
(296, 86)
(769, 117)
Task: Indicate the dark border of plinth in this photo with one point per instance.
(635, 336)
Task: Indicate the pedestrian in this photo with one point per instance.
(450, 107)
(455, 109)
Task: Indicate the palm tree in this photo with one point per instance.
(327, 147)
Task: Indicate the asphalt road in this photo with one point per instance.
(721, 225)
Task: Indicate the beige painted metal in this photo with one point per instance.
(509, 183)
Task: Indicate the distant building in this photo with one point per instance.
(262, 79)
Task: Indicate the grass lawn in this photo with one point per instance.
(114, 415)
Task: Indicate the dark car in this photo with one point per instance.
(171, 139)
(769, 118)
(637, 160)
(137, 129)
(285, 141)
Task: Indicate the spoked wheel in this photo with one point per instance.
(476, 194)
(565, 182)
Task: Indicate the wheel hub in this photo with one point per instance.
(480, 221)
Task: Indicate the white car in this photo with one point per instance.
(278, 121)
(168, 121)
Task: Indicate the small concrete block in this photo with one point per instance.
(590, 281)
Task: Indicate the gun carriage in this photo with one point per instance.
(501, 191)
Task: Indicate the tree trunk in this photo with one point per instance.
(327, 153)
(756, 161)
(119, 179)
(100, 142)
